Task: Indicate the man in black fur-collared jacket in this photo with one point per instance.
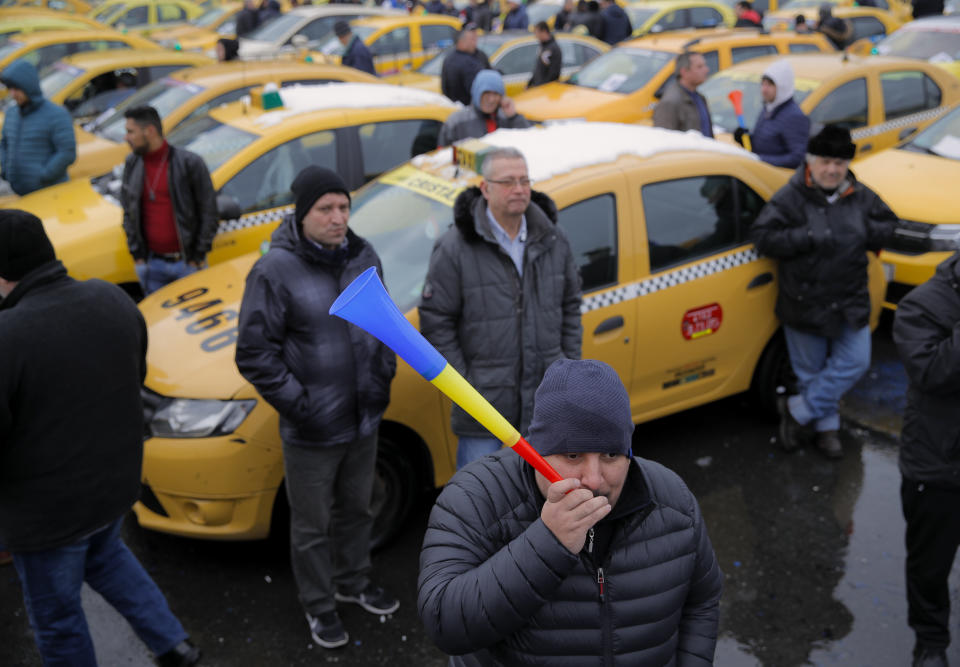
(502, 296)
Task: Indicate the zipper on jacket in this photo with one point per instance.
(590, 543)
(600, 581)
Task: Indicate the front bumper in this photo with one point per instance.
(908, 271)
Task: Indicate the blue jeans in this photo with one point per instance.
(157, 272)
(52, 580)
(470, 449)
(826, 368)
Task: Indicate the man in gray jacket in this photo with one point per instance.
(611, 565)
(501, 299)
(330, 382)
(682, 107)
(490, 109)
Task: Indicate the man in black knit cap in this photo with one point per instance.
(330, 383)
(72, 362)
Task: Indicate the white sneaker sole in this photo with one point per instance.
(373, 610)
(324, 643)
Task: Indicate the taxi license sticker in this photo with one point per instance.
(423, 183)
(701, 321)
(695, 370)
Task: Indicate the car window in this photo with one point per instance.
(804, 48)
(846, 106)
(225, 98)
(518, 60)
(740, 53)
(689, 218)
(591, 227)
(136, 16)
(58, 5)
(713, 60)
(388, 144)
(100, 45)
(570, 55)
(318, 30)
(47, 55)
(675, 20)
(265, 182)
(437, 36)
(866, 26)
(585, 53)
(394, 42)
(157, 72)
(168, 13)
(908, 92)
(705, 17)
(749, 205)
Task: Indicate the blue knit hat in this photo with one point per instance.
(581, 406)
(486, 81)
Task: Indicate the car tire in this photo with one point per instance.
(773, 375)
(396, 488)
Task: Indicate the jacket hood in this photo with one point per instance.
(23, 75)
(42, 275)
(289, 237)
(781, 73)
(466, 200)
(486, 81)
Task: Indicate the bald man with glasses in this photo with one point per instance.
(501, 300)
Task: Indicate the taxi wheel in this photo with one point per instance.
(773, 371)
(396, 487)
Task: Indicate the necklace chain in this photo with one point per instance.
(152, 187)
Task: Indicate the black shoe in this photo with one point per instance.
(327, 630)
(372, 598)
(183, 654)
(828, 442)
(793, 434)
(930, 657)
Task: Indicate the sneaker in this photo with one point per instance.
(183, 654)
(929, 657)
(327, 630)
(372, 598)
(828, 442)
(793, 434)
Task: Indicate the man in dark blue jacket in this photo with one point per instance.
(611, 565)
(330, 382)
(516, 18)
(616, 23)
(355, 53)
(38, 143)
(782, 130)
(461, 66)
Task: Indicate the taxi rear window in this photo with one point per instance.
(622, 70)
(56, 77)
(165, 96)
(211, 140)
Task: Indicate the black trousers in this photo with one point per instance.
(933, 535)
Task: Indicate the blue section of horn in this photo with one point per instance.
(366, 303)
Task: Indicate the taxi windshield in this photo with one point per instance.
(9, 48)
(58, 76)
(942, 138)
(165, 95)
(718, 87)
(639, 15)
(932, 45)
(211, 140)
(209, 17)
(622, 70)
(275, 28)
(402, 226)
(107, 14)
(333, 47)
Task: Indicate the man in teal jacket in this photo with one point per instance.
(38, 143)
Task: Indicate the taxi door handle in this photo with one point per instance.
(761, 280)
(608, 324)
(906, 132)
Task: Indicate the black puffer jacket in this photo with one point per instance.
(927, 333)
(498, 330)
(194, 203)
(458, 72)
(821, 250)
(496, 584)
(328, 379)
(72, 362)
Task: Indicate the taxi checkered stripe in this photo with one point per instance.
(898, 122)
(667, 280)
(254, 220)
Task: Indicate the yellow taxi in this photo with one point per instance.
(217, 22)
(253, 151)
(624, 84)
(935, 39)
(19, 20)
(656, 16)
(918, 180)
(902, 10)
(399, 43)
(514, 54)
(72, 6)
(880, 99)
(684, 312)
(44, 48)
(145, 15)
(188, 94)
(868, 24)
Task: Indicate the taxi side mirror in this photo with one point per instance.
(228, 208)
(300, 41)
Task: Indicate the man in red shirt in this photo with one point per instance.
(169, 205)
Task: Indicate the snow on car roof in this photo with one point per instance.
(306, 98)
(560, 148)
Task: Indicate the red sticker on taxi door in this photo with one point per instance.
(701, 321)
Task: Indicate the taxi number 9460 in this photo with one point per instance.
(205, 315)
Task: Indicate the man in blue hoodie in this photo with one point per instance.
(37, 144)
(490, 109)
(781, 132)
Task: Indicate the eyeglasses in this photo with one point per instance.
(511, 182)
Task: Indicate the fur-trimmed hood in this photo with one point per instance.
(465, 219)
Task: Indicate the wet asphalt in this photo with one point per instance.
(812, 551)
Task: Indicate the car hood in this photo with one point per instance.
(191, 354)
(562, 100)
(72, 211)
(916, 186)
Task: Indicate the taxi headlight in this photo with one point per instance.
(198, 418)
(913, 238)
(945, 237)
